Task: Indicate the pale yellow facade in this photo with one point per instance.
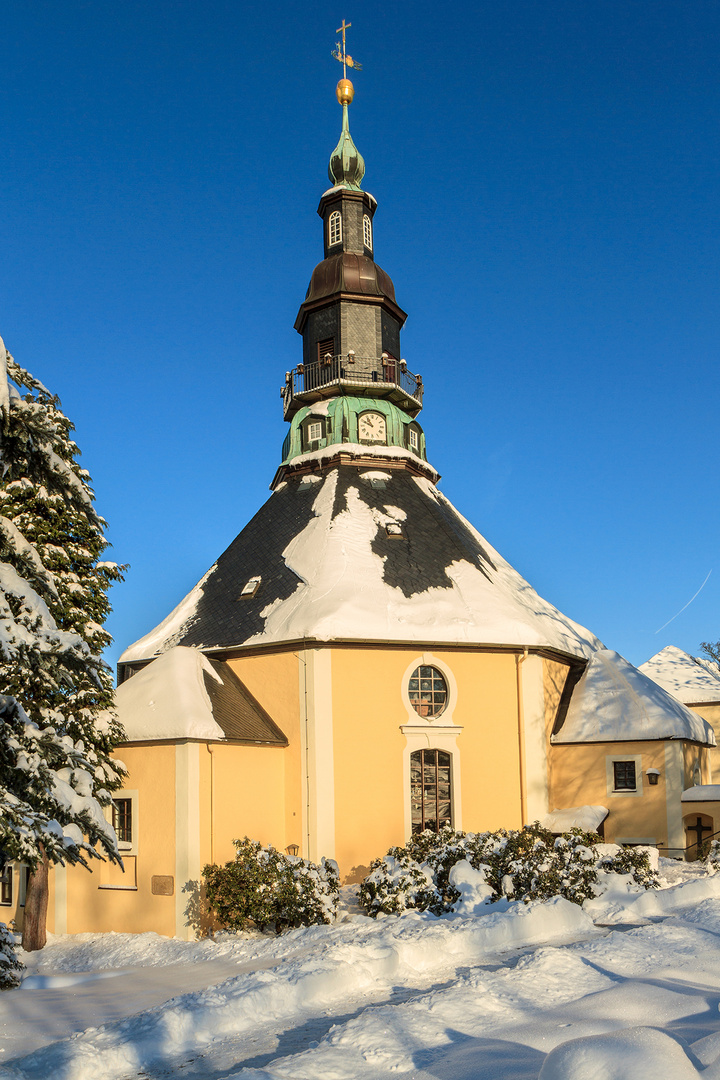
(340, 788)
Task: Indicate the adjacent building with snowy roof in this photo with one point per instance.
(361, 664)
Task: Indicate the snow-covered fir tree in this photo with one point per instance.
(53, 602)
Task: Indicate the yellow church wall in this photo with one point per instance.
(696, 757)
(582, 774)
(555, 674)
(275, 680)
(374, 728)
(97, 901)
(240, 795)
(711, 713)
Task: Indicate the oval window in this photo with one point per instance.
(427, 691)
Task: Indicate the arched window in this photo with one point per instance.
(427, 691)
(367, 232)
(334, 228)
(430, 790)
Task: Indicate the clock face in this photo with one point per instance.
(371, 427)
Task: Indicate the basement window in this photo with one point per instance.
(251, 587)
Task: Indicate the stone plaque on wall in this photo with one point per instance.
(162, 885)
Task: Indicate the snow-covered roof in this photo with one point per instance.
(614, 702)
(702, 793)
(688, 678)
(183, 695)
(576, 817)
(330, 568)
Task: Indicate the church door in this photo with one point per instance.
(430, 794)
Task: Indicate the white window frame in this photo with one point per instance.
(619, 793)
(334, 228)
(367, 232)
(314, 431)
(414, 440)
(124, 848)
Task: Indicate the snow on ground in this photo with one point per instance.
(531, 991)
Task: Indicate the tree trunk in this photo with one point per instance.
(36, 905)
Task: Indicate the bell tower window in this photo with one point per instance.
(334, 228)
(367, 232)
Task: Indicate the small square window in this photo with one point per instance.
(624, 775)
(314, 431)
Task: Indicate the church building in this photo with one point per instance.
(361, 664)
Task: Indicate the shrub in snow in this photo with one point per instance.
(263, 887)
(10, 966)
(526, 864)
(712, 859)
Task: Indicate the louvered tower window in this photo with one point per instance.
(367, 232)
(430, 794)
(326, 349)
(334, 228)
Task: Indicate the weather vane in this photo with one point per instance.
(340, 54)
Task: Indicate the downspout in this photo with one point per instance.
(307, 754)
(519, 661)
(209, 748)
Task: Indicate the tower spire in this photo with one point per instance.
(347, 166)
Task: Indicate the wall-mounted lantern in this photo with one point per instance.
(653, 775)
(292, 849)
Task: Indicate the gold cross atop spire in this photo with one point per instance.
(340, 54)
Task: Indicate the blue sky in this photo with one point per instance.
(549, 210)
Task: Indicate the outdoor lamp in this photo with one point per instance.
(653, 775)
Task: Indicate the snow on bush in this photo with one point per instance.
(10, 966)
(262, 887)
(456, 871)
(712, 859)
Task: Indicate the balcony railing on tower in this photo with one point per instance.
(364, 376)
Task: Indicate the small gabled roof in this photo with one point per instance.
(690, 679)
(183, 695)
(615, 702)
(362, 554)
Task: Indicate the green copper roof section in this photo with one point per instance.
(347, 166)
(339, 418)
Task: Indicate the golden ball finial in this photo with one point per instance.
(345, 91)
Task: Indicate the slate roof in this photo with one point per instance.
(183, 694)
(329, 570)
(239, 714)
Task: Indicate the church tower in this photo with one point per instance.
(353, 386)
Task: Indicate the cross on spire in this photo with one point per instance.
(340, 54)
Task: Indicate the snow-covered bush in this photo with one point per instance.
(526, 864)
(712, 859)
(10, 966)
(262, 887)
